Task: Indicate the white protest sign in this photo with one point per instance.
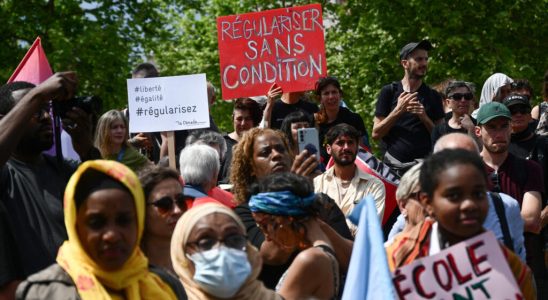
(473, 269)
(168, 103)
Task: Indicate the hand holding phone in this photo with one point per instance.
(308, 140)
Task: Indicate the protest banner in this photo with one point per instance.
(283, 45)
(168, 103)
(473, 269)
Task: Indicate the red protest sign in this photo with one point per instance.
(473, 269)
(283, 45)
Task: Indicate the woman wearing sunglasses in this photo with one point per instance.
(287, 212)
(104, 211)
(460, 99)
(212, 257)
(165, 203)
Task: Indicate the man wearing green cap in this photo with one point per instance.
(517, 177)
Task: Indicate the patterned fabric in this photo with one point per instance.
(283, 203)
(415, 244)
(92, 282)
(252, 287)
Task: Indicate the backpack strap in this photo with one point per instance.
(499, 209)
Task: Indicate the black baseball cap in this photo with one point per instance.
(407, 49)
(516, 100)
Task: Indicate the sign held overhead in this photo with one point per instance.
(283, 45)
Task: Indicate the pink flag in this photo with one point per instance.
(34, 67)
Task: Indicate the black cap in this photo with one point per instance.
(407, 49)
(515, 100)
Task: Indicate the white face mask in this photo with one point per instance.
(221, 271)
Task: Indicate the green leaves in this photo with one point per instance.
(105, 40)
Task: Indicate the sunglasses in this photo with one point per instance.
(460, 96)
(165, 204)
(520, 109)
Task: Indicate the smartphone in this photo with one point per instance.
(307, 138)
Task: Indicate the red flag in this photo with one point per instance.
(368, 163)
(34, 67)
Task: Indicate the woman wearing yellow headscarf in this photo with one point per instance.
(212, 257)
(104, 216)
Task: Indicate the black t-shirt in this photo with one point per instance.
(444, 128)
(282, 109)
(344, 116)
(408, 139)
(224, 174)
(270, 275)
(31, 215)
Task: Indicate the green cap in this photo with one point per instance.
(491, 110)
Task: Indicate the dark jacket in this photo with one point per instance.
(54, 283)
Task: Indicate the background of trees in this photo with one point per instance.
(105, 39)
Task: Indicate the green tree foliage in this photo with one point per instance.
(473, 39)
(100, 40)
(193, 47)
(104, 40)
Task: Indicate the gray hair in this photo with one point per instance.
(199, 164)
(408, 183)
(207, 137)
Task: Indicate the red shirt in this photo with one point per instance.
(509, 178)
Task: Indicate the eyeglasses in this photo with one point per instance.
(234, 241)
(460, 96)
(494, 177)
(520, 109)
(165, 204)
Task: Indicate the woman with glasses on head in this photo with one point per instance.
(213, 258)
(165, 203)
(287, 212)
(460, 99)
(104, 211)
(262, 152)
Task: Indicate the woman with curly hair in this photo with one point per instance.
(262, 152)
(286, 210)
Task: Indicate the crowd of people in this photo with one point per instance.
(246, 214)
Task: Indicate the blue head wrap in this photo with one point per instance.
(283, 203)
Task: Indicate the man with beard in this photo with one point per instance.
(407, 111)
(520, 178)
(345, 182)
(32, 183)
